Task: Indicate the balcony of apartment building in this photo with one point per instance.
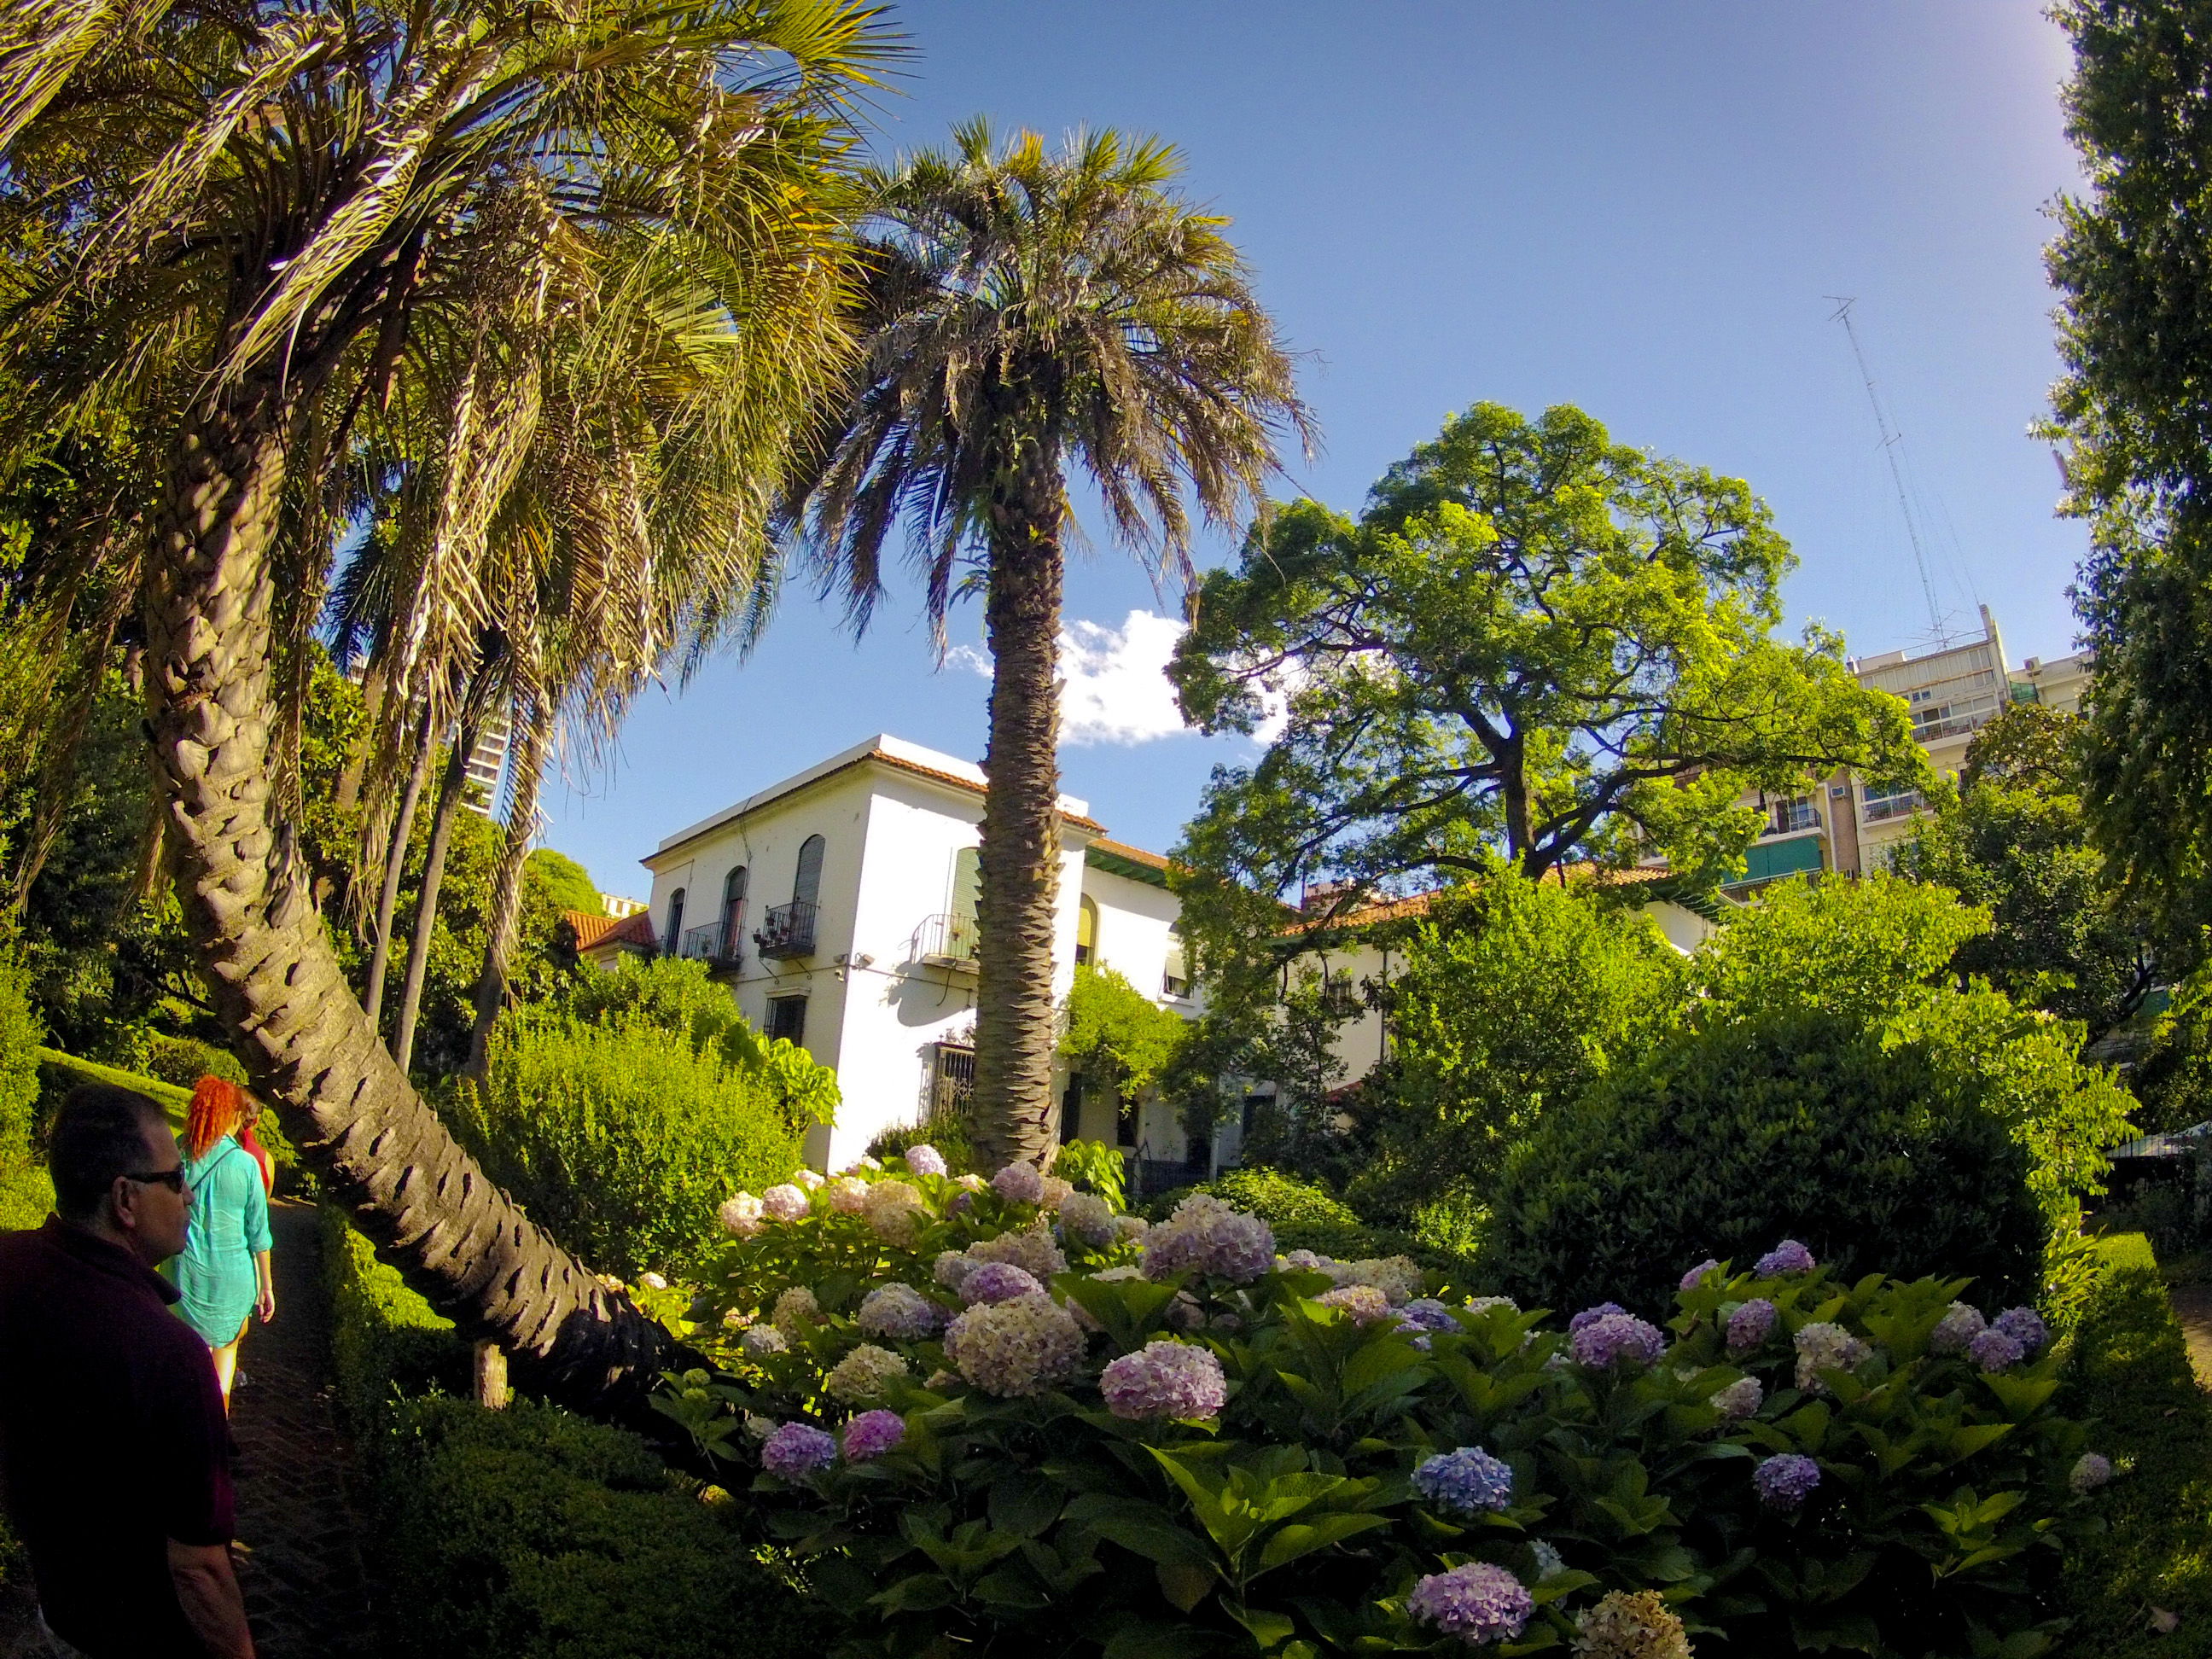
(719, 945)
(1792, 841)
(948, 940)
(786, 931)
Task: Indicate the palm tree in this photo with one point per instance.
(1030, 310)
(261, 218)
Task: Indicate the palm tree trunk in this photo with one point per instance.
(450, 789)
(395, 866)
(1019, 859)
(275, 977)
(528, 751)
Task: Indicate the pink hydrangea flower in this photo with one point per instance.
(1477, 1602)
(872, 1434)
(786, 1202)
(1606, 1342)
(1363, 1303)
(1019, 1183)
(1164, 1379)
(925, 1159)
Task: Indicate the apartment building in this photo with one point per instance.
(1951, 692)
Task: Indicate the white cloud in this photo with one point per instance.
(1114, 685)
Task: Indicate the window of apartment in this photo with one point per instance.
(1339, 996)
(787, 1018)
(733, 910)
(1879, 803)
(806, 882)
(1792, 813)
(675, 941)
(1175, 976)
(1086, 930)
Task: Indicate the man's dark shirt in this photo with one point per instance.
(113, 1439)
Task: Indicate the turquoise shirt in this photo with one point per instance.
(229, 1225)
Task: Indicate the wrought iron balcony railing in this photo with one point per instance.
(948, 940)
(717, 945)
(787, 930)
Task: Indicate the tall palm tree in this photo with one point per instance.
(262, 216)
(1031, 312)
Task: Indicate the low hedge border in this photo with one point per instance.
(2128, 1375)
(532, 1533)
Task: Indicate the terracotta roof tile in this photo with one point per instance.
(593, 931)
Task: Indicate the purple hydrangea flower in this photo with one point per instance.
(1605, 1342)
(1478, 1603)
(1468, 1481)
(1591, 1316)
(1422, 1315)
(1019, 1183)
(2091, 1471)
(925, 1159)
(872, 1434)
(1787, 1257)
(795, 1451)
(998, 1281)
(1164, 1380)
(1364, 1303)
(899, 1313)
(1994, 1351)
(1210, 1237)
(2024, 1326)
(1785, 1481)
(1740, 1399)
(1960, 1325)
(1750, 1325)
(1696, 1276)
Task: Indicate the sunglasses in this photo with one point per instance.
(172, 1179)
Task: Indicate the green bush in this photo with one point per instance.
(2127, 1371)
(26, 1195)
(1237, 1451)
(185, 1060)
(1803, 1126)
(384, 1337)
(21, 1036)
(531, 1534)
(621, 1135)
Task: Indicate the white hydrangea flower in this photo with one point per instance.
(864, 1373)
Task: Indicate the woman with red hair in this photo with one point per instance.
(223, 1274)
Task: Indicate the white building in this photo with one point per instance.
(839, 906)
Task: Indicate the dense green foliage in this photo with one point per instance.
(2128, 1375)
(529, 1533)
(21, 1036)
(1807, 1126)
(1304, 1215)
(1113, 1036)
(568, 885)
(2130, 263)
(1046, 1495)
(1513, 997)
(624, 1119)
(2012, 837)
(1578, 637)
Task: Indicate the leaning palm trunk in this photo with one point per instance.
(1018, 863)
(269, 962)
(530, 742)
(395, 866)
(450, 790)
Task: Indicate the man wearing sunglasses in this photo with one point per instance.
(114, 1453)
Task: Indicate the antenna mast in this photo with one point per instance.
(1890, 440)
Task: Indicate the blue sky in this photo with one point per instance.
(1636, 209)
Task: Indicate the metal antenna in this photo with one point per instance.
(1890, 440)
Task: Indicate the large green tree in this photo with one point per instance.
(1533, 642)
(2011, 836)
(1035, 313)
(2133, 265)
(263, 217)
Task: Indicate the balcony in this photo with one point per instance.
(717, 945)
(1880, 809)
(948, 941)
(787, 931)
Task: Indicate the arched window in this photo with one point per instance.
(1174, 977)
(806, 885)
(1086, 930)
(733, 910)
(674, 943)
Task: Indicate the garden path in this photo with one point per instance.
(2192, 1306)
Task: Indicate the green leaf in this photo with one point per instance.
(1270, 1630)
(1184, 1586)
(1024, 1505)
(1299, 1538)
(1144, 1639)
(1820, 1633)
(917, 1593)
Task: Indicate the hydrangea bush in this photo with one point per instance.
(981, 1420)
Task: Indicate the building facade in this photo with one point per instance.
(839, 906)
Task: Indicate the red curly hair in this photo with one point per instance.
(219, 1108)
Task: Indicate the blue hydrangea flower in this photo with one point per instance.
(1591, 1316)
(2091, 1470)
(1468, 1481)
(1605, 1342)
(1750, 1325)
(1696, 1276)
(1787, 1257)
(1785, 1481)
(1995, 1350)
(2024, 1326)
(1477, 1602)
(795, 1451)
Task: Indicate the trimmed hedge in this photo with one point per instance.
(530, 1532)
(2128, 1375)
(1304, 1215)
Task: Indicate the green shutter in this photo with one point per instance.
(1770, 859)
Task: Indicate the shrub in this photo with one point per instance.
(1094, 1167)
(20, 1035)
(2127, 1370)
(384, 1337)
(531, 1534)
(1803, 1125)
(185, 1060)
(1190, 1445)
(26, 1196)
(621, 1136)
(1304, 1214)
